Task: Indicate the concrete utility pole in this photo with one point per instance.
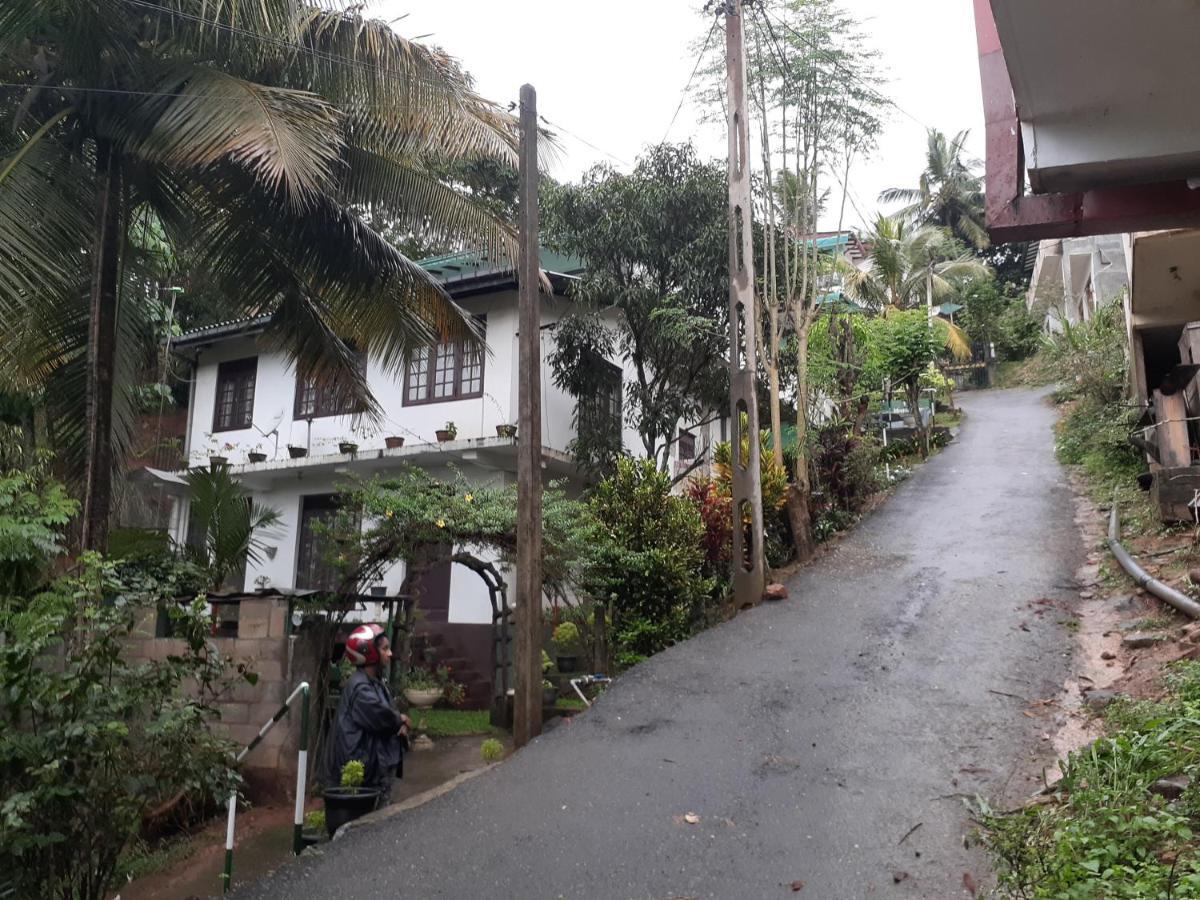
(527, 702)
(749, 571)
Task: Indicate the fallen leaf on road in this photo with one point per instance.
(969, 884)
(797, 886)
(691, 818)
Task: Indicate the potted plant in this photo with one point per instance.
(256, 455)
(453, 692)
(393, 442)
(506, 431)
(422, 689)
(449, 433)
(491, 750)
(347, 447)
(297, 452)
(549, 691)
(314, 831)
(566, 640)
(350, 800)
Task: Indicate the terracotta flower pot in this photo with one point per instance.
(443, 436)
(393, 443)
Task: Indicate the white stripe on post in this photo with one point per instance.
(301, 778)
(229, 822)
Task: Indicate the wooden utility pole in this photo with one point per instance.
(527, 702)
(749, 570)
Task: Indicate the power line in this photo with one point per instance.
(687, 87)
(586, 142)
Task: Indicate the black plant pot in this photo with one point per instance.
(297, 452)
(217, 462)
(312, 838)
(256, 457)
(568, 663)
(549, 696)
(344, 805)
(347, 447)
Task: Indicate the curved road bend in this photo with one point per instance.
(810, 736)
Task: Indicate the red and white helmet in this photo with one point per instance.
(361, 648)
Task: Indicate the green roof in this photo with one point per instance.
(839, 302)
(469, 265)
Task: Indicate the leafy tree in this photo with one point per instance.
(913, 266)
(909, 344)
(34, 513)
(251, 131)
(94, 745)
(949, 194)
(996, 314)
(235, 529)
(655, 295)
(812, 80)
(649, 568)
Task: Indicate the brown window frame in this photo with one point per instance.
(608, 403)
(436, 353)
(233, 373)
(331, 398)
(688, 440)
(316, 507)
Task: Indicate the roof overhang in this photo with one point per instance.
(1090, 99)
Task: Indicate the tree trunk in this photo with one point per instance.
(102, 350)
(776, 415)
(799, 513)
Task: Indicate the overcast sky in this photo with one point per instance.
(610, 75)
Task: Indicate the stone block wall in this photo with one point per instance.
(264, 646)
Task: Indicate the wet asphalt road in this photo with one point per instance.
(810, 736)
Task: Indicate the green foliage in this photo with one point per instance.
(1108, 835)
(656, 245)
(566, 635)
(34, 513)
(949, 193)
(1097, 438)
(547, 662)
(353, 774)
(996, 314)
(412, 511)
(491, 750)
(715, 506)
(314, 820)
(89, 737)
(649, 567)
(438, 723)
(1090, 358)
(235, 528)
(846, 466)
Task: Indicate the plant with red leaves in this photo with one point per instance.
(716, 512)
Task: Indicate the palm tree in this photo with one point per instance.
(235, 528)
(249, 132)
(949, 194)
(911, 266)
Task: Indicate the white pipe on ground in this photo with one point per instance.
(1167, 594)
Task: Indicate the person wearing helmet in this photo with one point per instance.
(367, 727)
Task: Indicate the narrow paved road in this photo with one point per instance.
(810, 736)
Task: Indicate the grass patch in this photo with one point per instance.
(144, 858)
(452, 722)
(1107, 835)
(571, 703)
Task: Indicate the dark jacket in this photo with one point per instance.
(365, 729)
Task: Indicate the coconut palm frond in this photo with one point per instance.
(289, 140)
(418, 201)
(954, 339)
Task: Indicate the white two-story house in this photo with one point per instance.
(247, 399)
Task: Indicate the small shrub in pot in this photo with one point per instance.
(350, 800)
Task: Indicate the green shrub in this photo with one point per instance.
(1089, 359)
(566, 635)
(651, 565)
(1108, 835)
(315, 820)
(492, 750)
(353, 774)
(1096, 437)
(89, 737)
